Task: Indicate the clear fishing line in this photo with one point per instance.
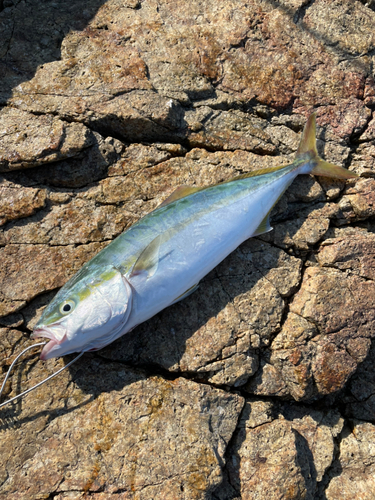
(39, 383)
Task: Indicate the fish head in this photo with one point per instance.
(86, 314)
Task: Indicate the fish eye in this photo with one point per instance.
(67, 306)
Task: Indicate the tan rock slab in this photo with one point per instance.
(329, 328)
(19, 203)
(27, 140)
(281, 456)
(119, 432)
(130, 68)
(356, 464)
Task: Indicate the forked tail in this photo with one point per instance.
(307, 151)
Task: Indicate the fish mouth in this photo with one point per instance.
(56, 334)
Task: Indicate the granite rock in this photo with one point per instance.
(318, 348)
(28, 140)
(123, 434)
(284, 450)
(106, 107)
(352, 474)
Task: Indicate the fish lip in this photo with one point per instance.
(48, 333)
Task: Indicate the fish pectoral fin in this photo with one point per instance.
(185, 294)
(264, 226)
(180, 192)
(148, 261)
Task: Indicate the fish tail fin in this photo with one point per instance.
(307, 150)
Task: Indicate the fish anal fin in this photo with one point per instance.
(185, 294)
(264, 226)
(180, 192)
(148, 261)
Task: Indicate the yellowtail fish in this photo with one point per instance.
(161, 258)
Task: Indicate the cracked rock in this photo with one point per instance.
(27, 140)
(114, 104)
(319, 349)
(289, 449)
(352, 475)
(125, 432)
(18, 203)
(360, 402)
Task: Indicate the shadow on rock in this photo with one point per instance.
(288, 447)
(37, 29)
(97, 377)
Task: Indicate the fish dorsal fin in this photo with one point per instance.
(264, 226)
(148, 261)
(308, 140)
(180, 192)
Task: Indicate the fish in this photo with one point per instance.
(161, 258)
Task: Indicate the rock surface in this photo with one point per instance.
(261, 383)
(114, 436)
(286, 449)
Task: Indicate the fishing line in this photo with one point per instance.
(39, 383)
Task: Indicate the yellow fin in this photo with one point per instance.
(254, 173)
(148, 260)
(307, 150)
(180, 192)
(330, 170)
(185, 294)
(264, 226)
(308, 140)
